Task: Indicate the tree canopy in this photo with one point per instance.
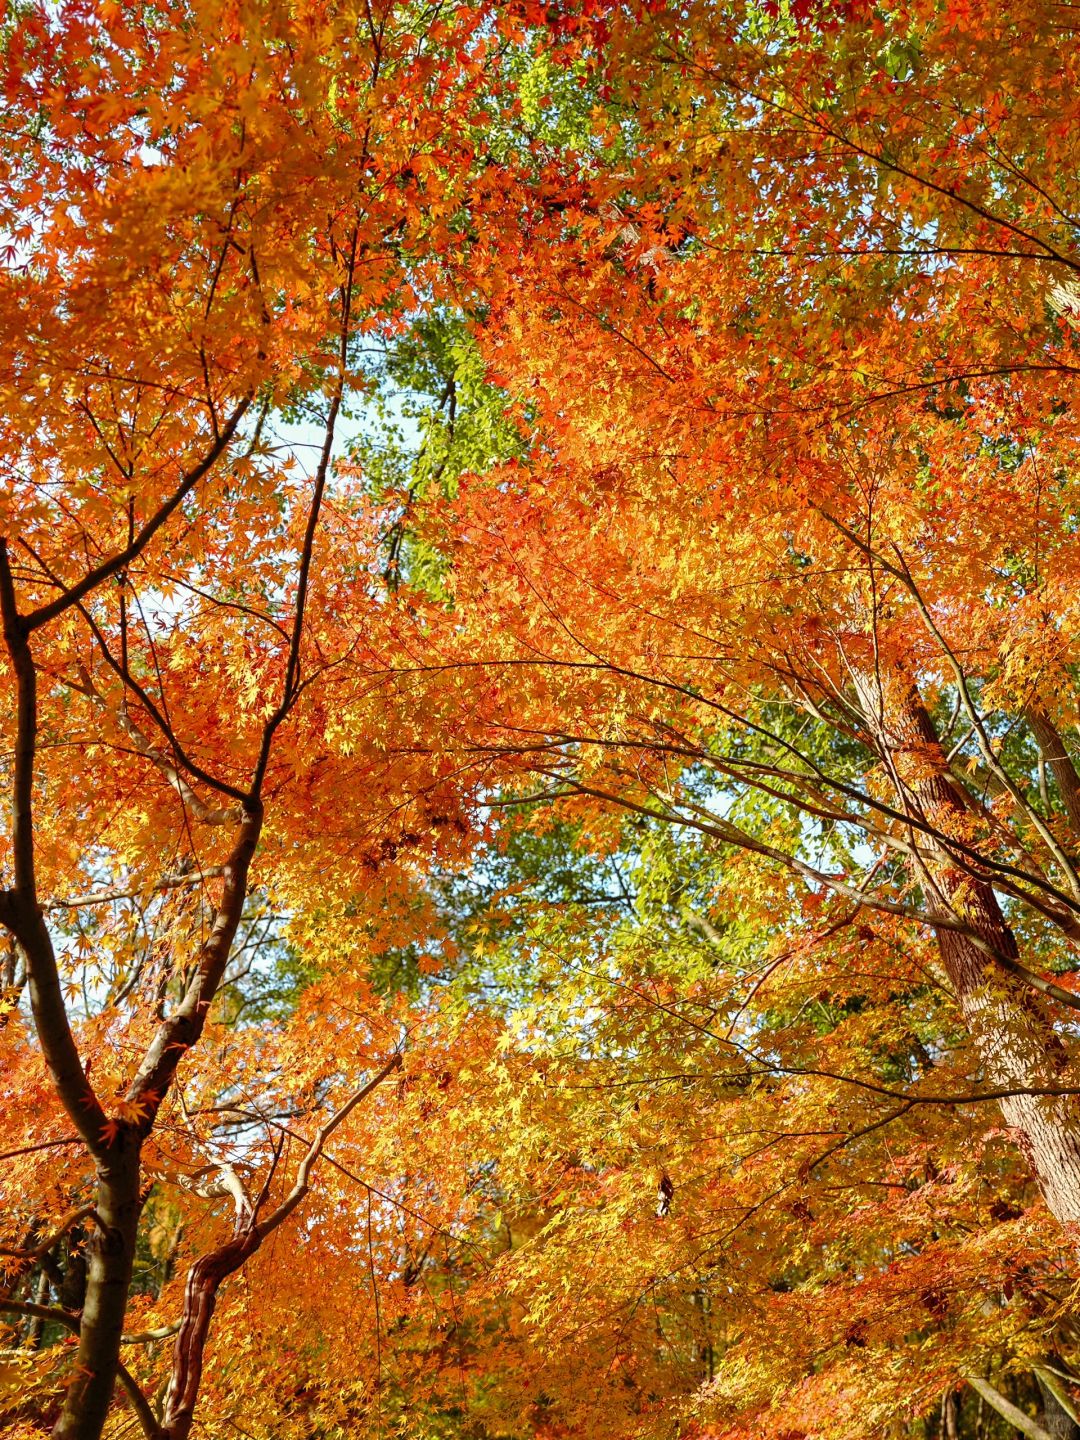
(540, 868)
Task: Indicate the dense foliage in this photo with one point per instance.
(539, 566)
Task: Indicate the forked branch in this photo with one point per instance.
(208, 1272)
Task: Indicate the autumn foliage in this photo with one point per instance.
(539, 566)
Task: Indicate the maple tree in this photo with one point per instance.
(866, 568)
(698, 1225)
(208, 214)
(790, 562)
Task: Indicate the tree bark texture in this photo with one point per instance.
(110, 1259)
(1011, 1026)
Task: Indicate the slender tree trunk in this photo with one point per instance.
(1011, 1026)
(111, 1256)
(36, 1329)
(950, 1427)
(115, 1149)
(1053, 751)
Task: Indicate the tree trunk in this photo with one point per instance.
(1053, 751)
(1011, 1026)
(200, 1300)
(111, 1257)
(1058, 1413)
(1019, 1050)
(36, 1329)
(950, 1417)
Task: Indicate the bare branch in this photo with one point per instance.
(168, 882)
(1007, 1410)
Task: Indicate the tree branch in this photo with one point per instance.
(44, 613)
(132, 1389)
(1007, 1410)
(22, 907)
(209, 1271)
